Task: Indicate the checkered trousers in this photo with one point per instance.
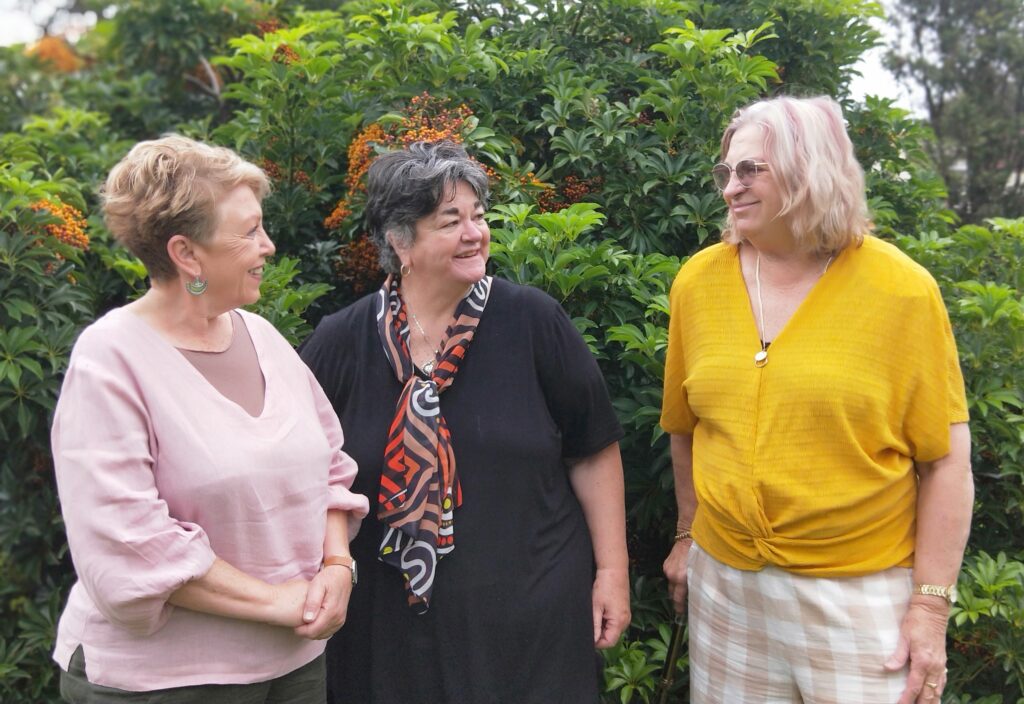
(773, 637)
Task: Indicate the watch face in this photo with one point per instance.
(952, 594)
(355, 574)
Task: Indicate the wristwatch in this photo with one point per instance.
(947, 593)
(343, 561)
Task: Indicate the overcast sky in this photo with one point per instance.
(16, 26)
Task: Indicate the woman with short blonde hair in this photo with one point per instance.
(199, 464)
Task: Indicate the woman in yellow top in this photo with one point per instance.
(818, 431)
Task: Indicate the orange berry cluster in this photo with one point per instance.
(56, 53)
(358, 265)
(426, 119)
(338, 215)
(273, 171)
(361, 154)
(430, 119)
(284, 54)
(573, 190)
(72, 230)
(269, 25)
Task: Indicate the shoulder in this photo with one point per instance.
(259, 326)
(115, 335)
(714, 261)
(889, 269)
(353, 318)
(349, 329)
(505, 294)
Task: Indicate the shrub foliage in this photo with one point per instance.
(598, 123)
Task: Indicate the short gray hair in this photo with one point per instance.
(405, 186)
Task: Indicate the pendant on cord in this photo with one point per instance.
(761, 358)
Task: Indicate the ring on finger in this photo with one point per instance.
(933, 685)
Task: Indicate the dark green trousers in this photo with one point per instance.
(307, 685)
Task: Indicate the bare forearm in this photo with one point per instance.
(597, 482)
(336, 538)
(944, 501)
(681, 447)
(227, 591)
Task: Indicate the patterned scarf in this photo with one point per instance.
(419, 487)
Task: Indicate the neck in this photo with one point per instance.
(434, 302)
(186, 319)
(784, 267)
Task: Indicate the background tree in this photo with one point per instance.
(967, 57)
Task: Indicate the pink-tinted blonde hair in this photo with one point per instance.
(811, 158)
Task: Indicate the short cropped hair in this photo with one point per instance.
(170, 186)
(812, 160)
(405, 186)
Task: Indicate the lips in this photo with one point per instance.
(740, 207)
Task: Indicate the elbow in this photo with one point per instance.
(136, 614)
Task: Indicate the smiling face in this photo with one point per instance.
(452, 243)
(754, 210)
(232, 258)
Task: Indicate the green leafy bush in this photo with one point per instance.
(598, 123)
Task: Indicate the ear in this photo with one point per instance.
(182, 253)
(394, 242)
(400, 249)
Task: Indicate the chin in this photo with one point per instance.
(470, 276)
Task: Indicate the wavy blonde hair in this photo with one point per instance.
(171, 186)
(812, 160)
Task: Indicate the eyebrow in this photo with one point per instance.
(455, 211)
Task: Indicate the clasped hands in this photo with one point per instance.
(314, 609)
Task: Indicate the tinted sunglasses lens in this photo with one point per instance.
(721, 174)
(746, 170)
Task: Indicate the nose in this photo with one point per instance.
(473, 231)
(734, 187)
(267, 247)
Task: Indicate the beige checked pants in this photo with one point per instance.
(772, 637)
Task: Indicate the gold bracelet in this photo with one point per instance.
(683, 534)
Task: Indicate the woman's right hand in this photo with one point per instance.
(286, 603)
(675, 571)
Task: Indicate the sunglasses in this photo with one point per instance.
(745, 170)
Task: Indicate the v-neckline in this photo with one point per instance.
(752, 316)
(201, 381)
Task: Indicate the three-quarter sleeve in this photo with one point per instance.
(129, 552)
(343, 468)
(574, 388)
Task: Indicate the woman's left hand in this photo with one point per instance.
(326, 603)
(611, 606)
(922, 642)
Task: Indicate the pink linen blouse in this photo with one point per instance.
(158, 474)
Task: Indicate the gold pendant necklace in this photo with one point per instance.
(761, 357)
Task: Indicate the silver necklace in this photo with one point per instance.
(761, 358)
(426, 365)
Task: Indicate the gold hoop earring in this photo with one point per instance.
(197, 286)
(405, 270)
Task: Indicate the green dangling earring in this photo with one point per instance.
(197, 286)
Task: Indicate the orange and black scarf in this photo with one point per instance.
(419, 487)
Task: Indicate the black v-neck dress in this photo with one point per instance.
(511, 619)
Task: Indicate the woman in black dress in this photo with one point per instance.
(493, 560)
